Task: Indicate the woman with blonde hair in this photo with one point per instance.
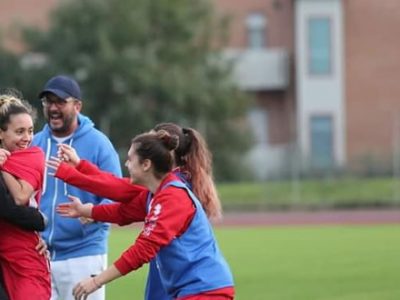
(25, 270)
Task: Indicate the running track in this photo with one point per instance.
(335, 217)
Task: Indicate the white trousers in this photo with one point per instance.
(65, 274)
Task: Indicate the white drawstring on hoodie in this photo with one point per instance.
(48, 150)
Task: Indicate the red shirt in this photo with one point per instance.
(22, 265)
(28, 165)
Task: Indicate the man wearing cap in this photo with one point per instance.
(77, 250)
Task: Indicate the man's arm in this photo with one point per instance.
(27, 218)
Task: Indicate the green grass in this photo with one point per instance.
(132, 285)
(311, 194)
(286, 263)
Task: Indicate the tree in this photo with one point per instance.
(148, 61)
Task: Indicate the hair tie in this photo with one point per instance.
(185, 131)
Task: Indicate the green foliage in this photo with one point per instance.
(8, 69)
(148, 61)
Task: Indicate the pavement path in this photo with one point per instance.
(334, 217)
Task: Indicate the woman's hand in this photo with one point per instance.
(68, 154)
(41, 247)
(75, 209)
(87, 286)
(84, 288)
(52, 164)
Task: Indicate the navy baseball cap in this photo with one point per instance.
(63, 87)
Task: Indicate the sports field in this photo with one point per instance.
(335, 262)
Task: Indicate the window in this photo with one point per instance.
(259, 125)
(256, 31)
(320, 52)
(321, 142)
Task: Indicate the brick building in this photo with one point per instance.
(337, 105)
(323, 72)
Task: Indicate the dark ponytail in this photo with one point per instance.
(194, 158)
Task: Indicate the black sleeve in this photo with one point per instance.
(28, 218)
(3, 294)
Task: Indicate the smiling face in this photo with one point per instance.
(137, 170)
(19, 132)
(61, 115)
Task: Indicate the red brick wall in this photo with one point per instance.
(281, 117)
(280, 19)
(372, 30)
(279, 15)
(14, 13)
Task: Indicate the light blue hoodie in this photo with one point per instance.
(68, 238)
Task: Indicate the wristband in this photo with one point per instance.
(95, 282)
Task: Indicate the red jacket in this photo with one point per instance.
(170, 213)
(26, 273)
